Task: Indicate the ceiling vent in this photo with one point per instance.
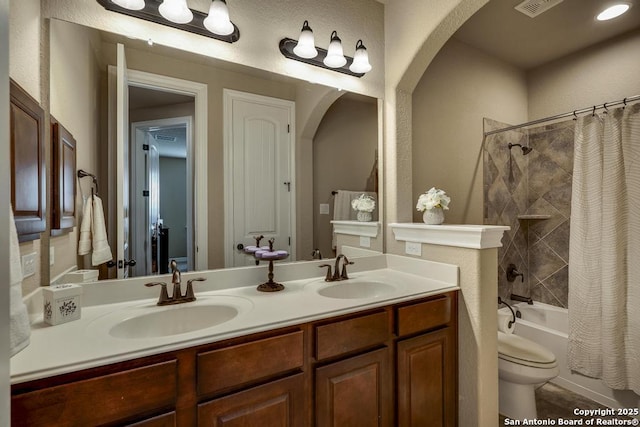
(166, 138)
(534, 8)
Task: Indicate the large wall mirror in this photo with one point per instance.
(184, 185)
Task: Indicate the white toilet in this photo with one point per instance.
(521, 365)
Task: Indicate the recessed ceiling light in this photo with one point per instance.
(613, 11)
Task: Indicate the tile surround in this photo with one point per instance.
(538, 183)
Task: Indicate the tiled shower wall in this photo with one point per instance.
(539, 183)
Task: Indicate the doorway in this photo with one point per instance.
(161, 167)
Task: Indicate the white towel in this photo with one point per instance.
(101, 249)
(20, 329)
(84, 245)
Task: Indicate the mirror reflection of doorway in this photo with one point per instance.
(161, 162)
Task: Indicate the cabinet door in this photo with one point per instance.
(427, 381)
(354, 392)
(276, 404)
(28, 180)
(63, 158)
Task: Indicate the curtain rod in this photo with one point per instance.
(569, 114)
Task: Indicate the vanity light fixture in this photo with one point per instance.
(613, 11)
(306, 47)
(360, 62)
(176, 11)
(176, 14)
(130, 4)
(335, 55)
(218, 21)
(304, 50)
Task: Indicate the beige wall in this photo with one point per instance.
(343, 157)
(75, 77)
(605, 72)
(461, 86)
(5, 194)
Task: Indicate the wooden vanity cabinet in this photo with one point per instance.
(390, 366)
(28, 172)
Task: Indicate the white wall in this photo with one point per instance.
(5, 194)
(262, 25)
(24, 44)
(461, 86)
(605, 72)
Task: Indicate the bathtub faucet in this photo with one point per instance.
(515, 297)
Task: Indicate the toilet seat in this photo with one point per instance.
(522, 351)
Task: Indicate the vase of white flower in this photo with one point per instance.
(434, 202)
(364, 205)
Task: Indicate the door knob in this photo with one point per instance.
(123, 264)
(240, 246)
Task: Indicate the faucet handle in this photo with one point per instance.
(190, 296)
(328, 277)
(346, 262)
(164, 296)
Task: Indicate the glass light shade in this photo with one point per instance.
(613, 12)
(360, 62)
(218, 21)
(130, 4)
(306, 47)
(335, 56)
(176, 11)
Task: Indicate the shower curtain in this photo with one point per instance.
(604, 249)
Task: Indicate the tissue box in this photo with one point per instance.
(62, 303)
(81, 276)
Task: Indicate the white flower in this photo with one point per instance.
(434, 198)
(364, 203)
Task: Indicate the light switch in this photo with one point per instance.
(29, 264)
(324, 208)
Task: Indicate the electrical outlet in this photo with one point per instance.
(52, 255)
(365, 242)
(29, 264)
(413, 248)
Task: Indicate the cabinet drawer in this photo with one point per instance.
(349, 335)
(241, 364)
(99, 400)
(424, 315)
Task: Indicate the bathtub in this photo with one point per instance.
(549, 326)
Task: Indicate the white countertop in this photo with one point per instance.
(86, 343)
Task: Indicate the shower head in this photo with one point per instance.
(525, 150)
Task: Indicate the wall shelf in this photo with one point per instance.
(533, 217)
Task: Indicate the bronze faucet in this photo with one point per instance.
(177, 297)
(335, 276)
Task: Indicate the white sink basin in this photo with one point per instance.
(174, 321)
(353, 290)
(147, 320)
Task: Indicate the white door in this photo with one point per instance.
(260, 186)
(122, 165)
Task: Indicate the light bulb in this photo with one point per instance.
(306, 47)
(360, 63)
(613, 11)
(176, 11)
(218, 19)
(130, 4)
(335, 56)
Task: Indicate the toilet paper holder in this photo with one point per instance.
(515, 313)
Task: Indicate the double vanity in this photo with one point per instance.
(317, 353)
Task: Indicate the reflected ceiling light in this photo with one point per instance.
(306, 47)
(613, 11)
(360, 62)
(176, 14)
(335, 56)
(304, 50)
(218, 21)
(130, 4)
(176, 11)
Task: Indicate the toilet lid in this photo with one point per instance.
(521, 350)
